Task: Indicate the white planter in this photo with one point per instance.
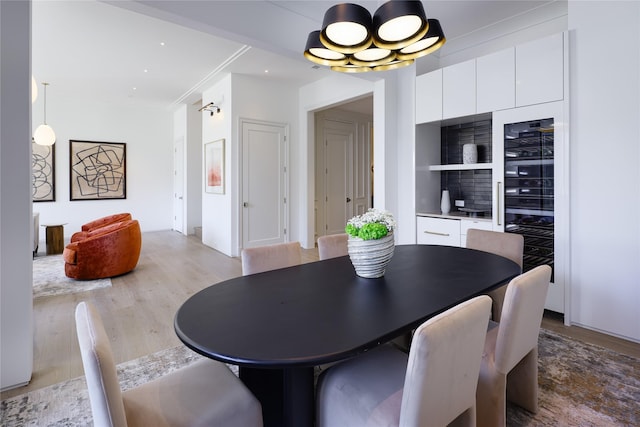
(370, 257)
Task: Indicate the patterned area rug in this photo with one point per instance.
(580, 385)
(49, 279)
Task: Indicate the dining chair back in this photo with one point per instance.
(204, 393)
(332, 246)
(510, 361)
(270, 257)
(508, 245)
(434, 385)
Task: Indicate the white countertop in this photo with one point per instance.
(455, 215)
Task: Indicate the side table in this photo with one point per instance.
(55, 238)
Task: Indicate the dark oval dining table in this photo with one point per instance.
(279, 324)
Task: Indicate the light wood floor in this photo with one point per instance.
(139, 307)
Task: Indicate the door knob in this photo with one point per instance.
(245, 205)
(348, 199)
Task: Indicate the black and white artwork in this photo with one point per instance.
(97, 170)
(43, 166)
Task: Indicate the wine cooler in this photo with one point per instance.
(529, 188)
(530, 181)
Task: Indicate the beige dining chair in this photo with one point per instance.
(508, 245)
(205, 393)
(434, 385)
(270, 257)
(509, 368)
(332, 246)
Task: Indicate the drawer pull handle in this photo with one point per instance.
(436, 233)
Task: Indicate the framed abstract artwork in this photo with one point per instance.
(97, 170)
(214, 167)
(43, 167)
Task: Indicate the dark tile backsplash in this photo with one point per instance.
(472, 186)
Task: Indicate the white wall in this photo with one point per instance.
(147, 131)
(245, 97)
(194, 168)
(16, 273)
(605, 154)
(217, 221)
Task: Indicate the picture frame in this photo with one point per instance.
(97, 170)
(214, 167)
(43, 168)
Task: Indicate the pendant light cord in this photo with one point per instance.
(45, 101)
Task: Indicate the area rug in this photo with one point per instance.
(49, 279)
(580, 385)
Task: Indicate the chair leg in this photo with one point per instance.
(522, 382)
(466, 419)
(491, 402)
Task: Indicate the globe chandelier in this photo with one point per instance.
(351, 41)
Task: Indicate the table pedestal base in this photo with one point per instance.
(286, 395)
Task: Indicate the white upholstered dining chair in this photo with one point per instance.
(270, 257)
(332, 246)
(205, 393)
(508, 245)
(434, 385)
(509, 368)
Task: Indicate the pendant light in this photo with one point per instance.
(34, 90)
(352, 41)
(44, 134)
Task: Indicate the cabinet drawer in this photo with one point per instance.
(466, 224)
(437, 231)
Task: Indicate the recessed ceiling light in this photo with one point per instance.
(266, 71)
(146, 71)
(161, 43)
(135, 88)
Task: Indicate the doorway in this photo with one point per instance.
(178, 185)
(344, 159)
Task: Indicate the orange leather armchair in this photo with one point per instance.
(108, 251)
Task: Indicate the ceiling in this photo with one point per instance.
(166, 52)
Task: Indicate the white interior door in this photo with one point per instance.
(264, 189)
(178, 185)
(343, 169)
(339, 188)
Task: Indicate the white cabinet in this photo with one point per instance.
(495, 81)
(429, 97)
(540, 71)
(459, 90)
(438, 231)
(466, 224)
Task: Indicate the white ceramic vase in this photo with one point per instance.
(469, 154)
(445, 203)
(370, 257)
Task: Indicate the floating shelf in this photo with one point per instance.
(461, 167)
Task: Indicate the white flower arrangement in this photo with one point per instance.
(371, 225)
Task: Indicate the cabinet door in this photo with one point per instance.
(438, 231)
(496, 81)
(459, 90)
(429, 97)
(540, 71)
(466, 224)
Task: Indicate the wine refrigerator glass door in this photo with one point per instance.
(529, 181)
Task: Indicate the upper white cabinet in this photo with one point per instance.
(528, 74)
(540, 71)
(495, 81)
(429, 97)
(459, 90)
